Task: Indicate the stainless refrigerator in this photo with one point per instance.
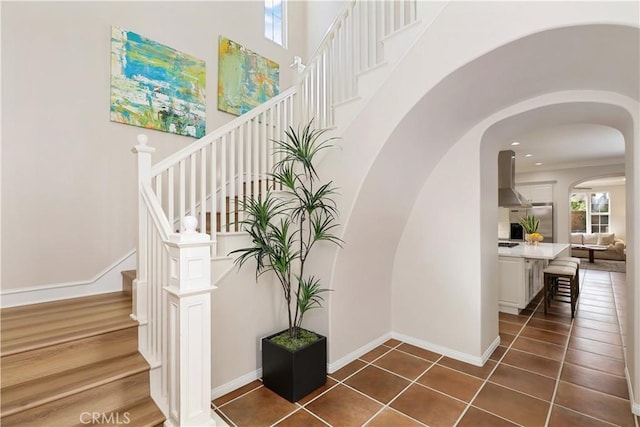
(542, 211)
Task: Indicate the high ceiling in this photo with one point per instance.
(567, 146)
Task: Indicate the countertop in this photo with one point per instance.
(540, 251)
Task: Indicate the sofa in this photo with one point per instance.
(615, 247)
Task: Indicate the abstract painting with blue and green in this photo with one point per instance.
(155, 86)
(245, 79)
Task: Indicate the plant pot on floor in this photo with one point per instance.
(293, 374)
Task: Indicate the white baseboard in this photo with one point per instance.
(218, 419)
(331, 367)
(454, 354)
(109, 280)
(236, 384)
(343, 361)
(635, 406)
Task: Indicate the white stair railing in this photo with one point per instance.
(353, 45)
(209, 179)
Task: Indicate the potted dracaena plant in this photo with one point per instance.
(285, 225)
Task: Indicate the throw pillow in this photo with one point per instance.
(606, 239)
(590, 238)
(576, 238)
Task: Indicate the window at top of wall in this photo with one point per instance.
(275, 22)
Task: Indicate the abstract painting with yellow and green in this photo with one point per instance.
(155, 86)
(245, 79)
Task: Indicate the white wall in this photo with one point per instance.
(320, 16)
(431, 289)
(68, 176)
(243, 311)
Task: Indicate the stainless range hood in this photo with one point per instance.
(507, 194)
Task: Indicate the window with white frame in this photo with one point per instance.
(590, 212)
(275, 21)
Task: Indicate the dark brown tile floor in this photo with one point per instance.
(548, 371)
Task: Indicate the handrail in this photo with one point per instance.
(332, 29)
(184, 153)
(155, 210)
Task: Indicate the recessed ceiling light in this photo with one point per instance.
(528, 155)
(515, 143)
(538, 164)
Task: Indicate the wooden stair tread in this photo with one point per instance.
(74, 332)
(49, 360)
(142, 414)
(107, 398)
(47, 389)
(40, 322)
(29, 327)
(67, 305)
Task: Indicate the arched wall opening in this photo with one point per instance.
(417, 237)
(607, 109)
(437, 247)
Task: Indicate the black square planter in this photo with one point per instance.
(294, 374)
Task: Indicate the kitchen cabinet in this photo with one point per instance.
(536, 193)
(511, 284)
(520, 280)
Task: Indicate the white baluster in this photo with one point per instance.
(192, 185)
(262, 147)
(214, 197)
(203, 189)
(223, 184)
(232, 181)
(170, 200)
(242, 196)
(181, 192)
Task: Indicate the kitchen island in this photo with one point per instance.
(521, 272)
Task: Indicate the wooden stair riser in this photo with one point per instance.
(58, 358)
(128, 277)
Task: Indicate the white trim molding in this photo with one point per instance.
(232, 385)
(454, 354)
(635, 406)
(108, 280)
(343, 361)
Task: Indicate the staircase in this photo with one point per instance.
(86, 360)
(74, 362)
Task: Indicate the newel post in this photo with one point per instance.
(189, 327)
(140, 284)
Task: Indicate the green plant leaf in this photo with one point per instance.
(285, 225)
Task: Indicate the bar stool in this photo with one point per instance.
(569, 261)
(554, 274)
